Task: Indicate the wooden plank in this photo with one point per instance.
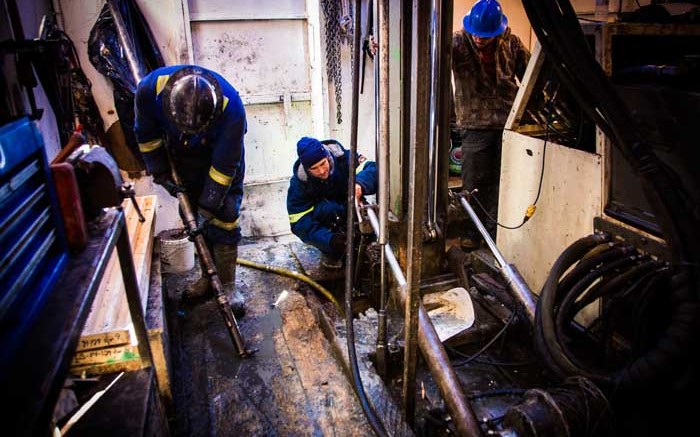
(106, 355)
(112, 362)
(103, 339)
(109, 316)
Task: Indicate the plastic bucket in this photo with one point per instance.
(176, 251)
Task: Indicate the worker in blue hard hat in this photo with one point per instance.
(487, 62)
(199, 118)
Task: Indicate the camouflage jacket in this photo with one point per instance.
(479, 101)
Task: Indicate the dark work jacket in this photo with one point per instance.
(480, 102)
(314, 204)
(212, 164)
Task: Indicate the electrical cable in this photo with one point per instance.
(474, 356)
(370, 413)
(295, 275)
(530, 211)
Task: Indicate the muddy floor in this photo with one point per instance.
(293, 385)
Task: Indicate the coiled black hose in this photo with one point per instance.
(557, 28)
(659, 360)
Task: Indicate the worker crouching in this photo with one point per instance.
(318, 193)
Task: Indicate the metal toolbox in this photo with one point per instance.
(33, 250)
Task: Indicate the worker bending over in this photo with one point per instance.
(318, 193)
(199, 118)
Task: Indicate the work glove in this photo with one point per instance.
(338, 244)
(166, 181)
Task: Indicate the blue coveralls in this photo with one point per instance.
(211, 164)
(315, 205)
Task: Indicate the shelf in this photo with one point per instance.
(37, 372)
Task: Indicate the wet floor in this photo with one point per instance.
(292, 385)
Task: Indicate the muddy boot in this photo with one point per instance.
(199, 290)
(225, 257)
(331, 262)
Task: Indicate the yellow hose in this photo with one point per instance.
(292, 274)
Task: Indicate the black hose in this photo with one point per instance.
(557, 29)
(580, 288)
(371, 415)
(590, 261)
(613, 285)
(666, 359)
(545, 332)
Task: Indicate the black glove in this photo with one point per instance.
(338, 244)
(166, 181)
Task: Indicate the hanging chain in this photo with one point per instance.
(338, 27)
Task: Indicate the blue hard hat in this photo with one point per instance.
(485, 19)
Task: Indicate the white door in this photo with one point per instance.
(265, 49)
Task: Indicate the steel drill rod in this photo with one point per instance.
(521, 291)
(434, 352)
(208, 262)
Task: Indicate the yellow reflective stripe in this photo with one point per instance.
(219, 177)
(150, 145)
(225, 225)
(160, 83)
(293, 218)
(360, 167)
(223, 108)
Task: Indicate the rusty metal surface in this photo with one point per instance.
(293, 385)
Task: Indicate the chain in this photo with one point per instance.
(335, 32)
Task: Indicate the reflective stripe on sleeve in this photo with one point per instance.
(225, 225)
(219, 177)
(360, 167)
(293, 218)
(150, 146)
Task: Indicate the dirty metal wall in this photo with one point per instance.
(273, 53)
(571, 198)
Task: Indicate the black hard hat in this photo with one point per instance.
(192, 99)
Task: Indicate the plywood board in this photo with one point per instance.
(114, 359)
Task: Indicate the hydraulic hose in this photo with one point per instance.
(554, 312)
(545, 332)
(558, 30)
(295, 275)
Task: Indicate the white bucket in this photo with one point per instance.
(176, 251)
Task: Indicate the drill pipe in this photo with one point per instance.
(434, 352)
(208, 262)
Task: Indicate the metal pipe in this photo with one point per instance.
(208, 262)
(369, 411)
(434, 352)
(416, 196)
(125, 39)
(523, 294)
(133, 294)
(433, 161)
(383, 161)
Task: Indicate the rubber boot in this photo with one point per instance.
(225, 257)
(200, 289)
